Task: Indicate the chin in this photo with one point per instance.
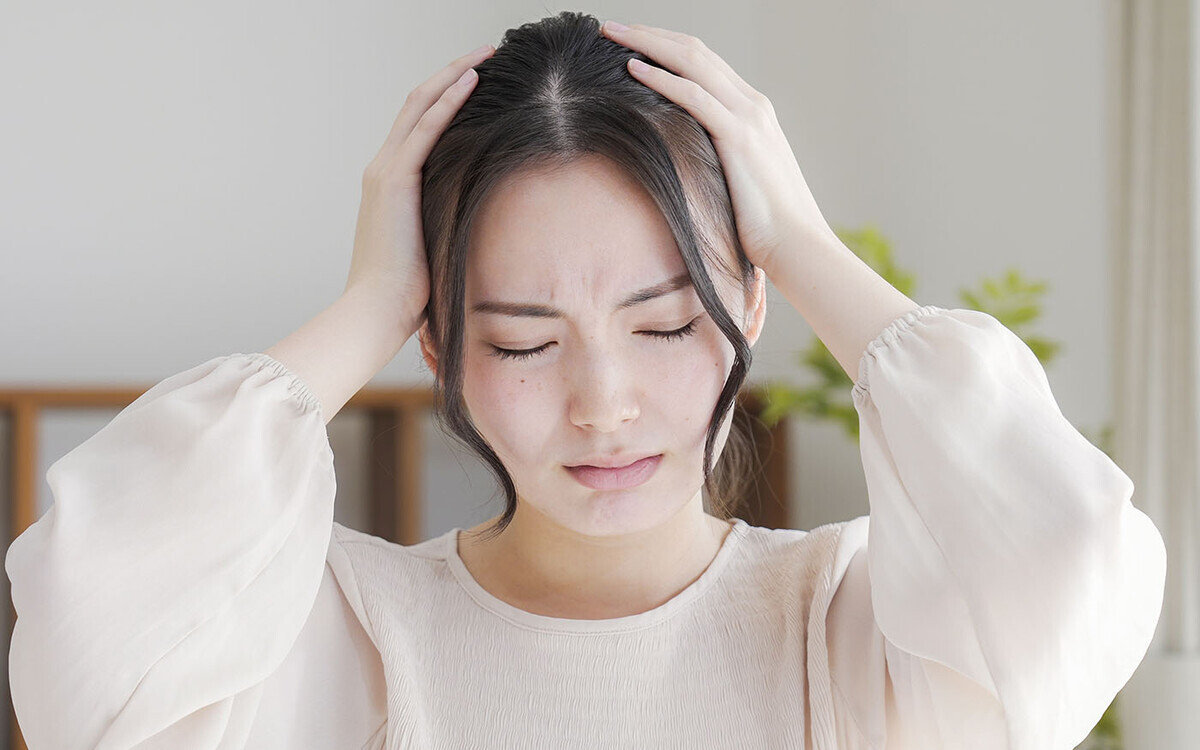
(601, 513)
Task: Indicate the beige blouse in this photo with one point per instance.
(189, 589)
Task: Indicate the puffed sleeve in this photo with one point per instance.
(178, 566)
(1003, 588)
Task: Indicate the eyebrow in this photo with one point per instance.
(523, 310)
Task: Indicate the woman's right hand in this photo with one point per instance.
(389, 242)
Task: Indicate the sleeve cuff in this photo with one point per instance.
(296, 387)
(888, 337)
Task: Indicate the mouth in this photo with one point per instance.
(616, 477)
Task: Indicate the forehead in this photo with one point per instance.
(586, 228)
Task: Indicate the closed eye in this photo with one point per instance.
(675, 335)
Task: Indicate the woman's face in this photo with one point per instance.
(586, 345)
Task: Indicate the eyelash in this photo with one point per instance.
(675, 335)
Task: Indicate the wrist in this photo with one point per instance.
(802, 246)
(390, 307)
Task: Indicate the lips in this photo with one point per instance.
(615, 477)
(611, 462)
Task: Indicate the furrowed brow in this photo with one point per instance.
(523, 310)
(659, 290)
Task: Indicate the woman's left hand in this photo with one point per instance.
(771, 201)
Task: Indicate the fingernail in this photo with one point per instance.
(614, 26)
(481, 50)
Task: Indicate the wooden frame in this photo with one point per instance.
(396, 451)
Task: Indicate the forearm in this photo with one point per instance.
(842, 298)
(346, 344)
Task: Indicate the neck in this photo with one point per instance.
(542, 567)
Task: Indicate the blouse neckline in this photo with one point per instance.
(532, 621)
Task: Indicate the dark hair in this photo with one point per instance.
(554, 91)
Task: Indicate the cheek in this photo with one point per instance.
(512, 407)
(690, 383)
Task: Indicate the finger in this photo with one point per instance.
(412, 155)
(687, 39)
(711, 113)
(423, 96)
(689, 57)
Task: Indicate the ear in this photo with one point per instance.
(756, 307)
(428, 351)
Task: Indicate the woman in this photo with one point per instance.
(596, 243)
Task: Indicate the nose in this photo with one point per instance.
(603, 393)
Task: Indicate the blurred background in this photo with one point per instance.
(180, 181)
